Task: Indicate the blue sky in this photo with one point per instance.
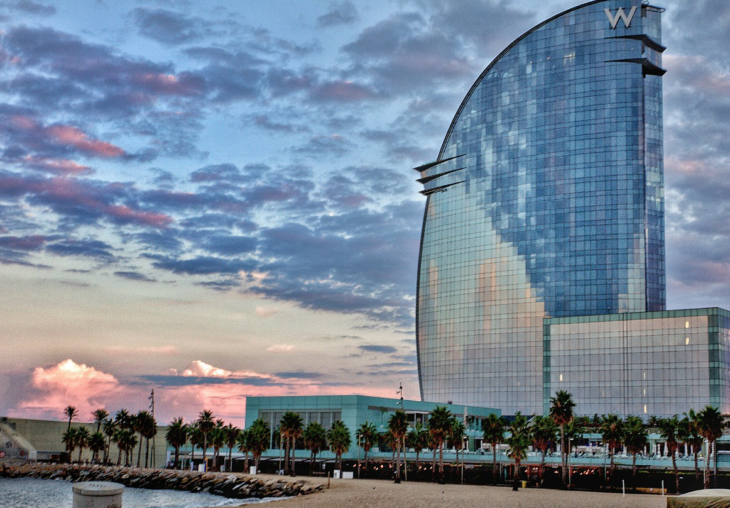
(216, 200)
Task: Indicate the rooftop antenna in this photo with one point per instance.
(151, 398)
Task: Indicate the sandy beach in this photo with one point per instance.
(379, 493)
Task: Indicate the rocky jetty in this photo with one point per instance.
(221, 484)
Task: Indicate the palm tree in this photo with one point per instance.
(290, 428)
(71, 412)
(150, 431)
(367, 436)
(690, 435)
(82, 439)
(339, 440)
(417, 439)
(456, 436)
(205, 424)
(635, 438)
(612, 430)
(315, 439)
(398, 427)
(259, 436)
(518, 442)
(433, 445)
(217, 440)
(196, 438)
(231, 434)
(96, 444)
(561, 411)
(109, 428)
(126, 440)
(669, 430)
(177, 436)
(69, 439)
(493, 432)
(439, 425)
(244, 445)
(99, 416)
(137, 423)
(544, 433)
(147, 429)
(709, 425)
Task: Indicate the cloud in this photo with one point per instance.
(68, 383)
(146, 350)
(29, 7)
(169, 27)
(85, 248)
(137, 276)
(265, 312)
(281, 348)
(342, 13)
(377, 349)
(84, 201)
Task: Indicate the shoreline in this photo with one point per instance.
(228, 485)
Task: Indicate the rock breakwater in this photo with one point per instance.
(221, 484)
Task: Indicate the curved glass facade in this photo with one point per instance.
(546, 201)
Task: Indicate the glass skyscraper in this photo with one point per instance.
(546, 201)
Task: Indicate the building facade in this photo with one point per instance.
(546, 202)
(353, 411)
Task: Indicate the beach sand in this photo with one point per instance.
(380, 493)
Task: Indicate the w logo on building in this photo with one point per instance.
(620, 14)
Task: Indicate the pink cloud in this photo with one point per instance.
(203, 386)
(55, 166)
(66, 191)
(68, 383)
(65, 134)
(281, 348)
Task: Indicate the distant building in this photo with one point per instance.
(542, 254)
(354, 410)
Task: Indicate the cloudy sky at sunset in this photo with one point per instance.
(215, 199)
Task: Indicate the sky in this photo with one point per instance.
(216, 200)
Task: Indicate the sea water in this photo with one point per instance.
(32, 493)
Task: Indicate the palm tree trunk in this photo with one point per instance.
(147, 452)
(397, 461)
(119, 457)
(286, 455)
(441, 461)
(563, 455)
(494, 463)
(633, 467)
(707, 465)
(139, 453)
(245, 463)
(81, 449)
(293, 463)
(676, 472)
(433, 466)
(177, 456)
(192, 457)
(205, 451)
(230, 458)
(542, 466)
(697, 466)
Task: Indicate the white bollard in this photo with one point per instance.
(623, 488)
(97, 495)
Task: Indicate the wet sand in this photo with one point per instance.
(380, 493)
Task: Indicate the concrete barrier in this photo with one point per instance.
(98, 495)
